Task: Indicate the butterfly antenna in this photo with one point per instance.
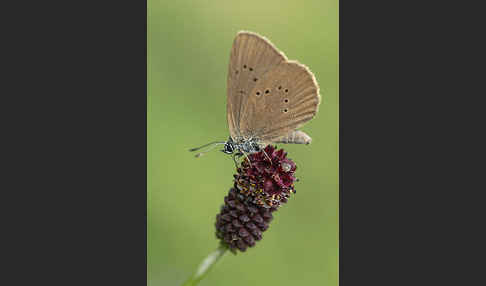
(212, 145)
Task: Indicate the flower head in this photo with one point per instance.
(262, 184)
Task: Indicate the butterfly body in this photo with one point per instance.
(245, 146)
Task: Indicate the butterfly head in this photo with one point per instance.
(229, 147)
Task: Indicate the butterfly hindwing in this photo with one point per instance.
(285, 99)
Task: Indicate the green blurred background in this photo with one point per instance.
(189, 45)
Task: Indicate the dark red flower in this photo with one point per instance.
(268, 173)
(262, 184)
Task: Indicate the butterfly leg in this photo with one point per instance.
(266, 155)
(238, 154)
(248, 158)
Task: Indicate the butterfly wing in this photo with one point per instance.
(252, 56)
(282, 100)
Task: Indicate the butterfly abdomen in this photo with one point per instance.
(295, 137)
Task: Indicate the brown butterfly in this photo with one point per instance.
(268, 97)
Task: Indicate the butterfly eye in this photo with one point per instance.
(251, 69)
(267, 91)
(286, 90)
(280, 87)
(286, 100)
(244, 66)
(257, 93)
(286, 110)
(255, 79)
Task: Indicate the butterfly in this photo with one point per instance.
(268, 97)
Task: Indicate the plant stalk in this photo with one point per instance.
(206, 265)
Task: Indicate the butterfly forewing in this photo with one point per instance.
(268, 96)
(252, 56)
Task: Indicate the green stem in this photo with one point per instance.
(205, 266)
